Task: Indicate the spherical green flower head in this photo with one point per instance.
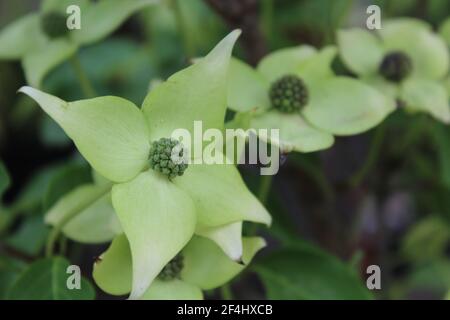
(173, 269)
(166, 157)
(396, 66)
(53, 23)
(289, 94)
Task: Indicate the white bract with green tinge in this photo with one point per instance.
(422, 90)
(158, 215)
(335, 106)
(26, 40)
(205, 267)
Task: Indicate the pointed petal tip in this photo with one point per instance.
(240, 261)
(236, 32)
(269, 220)
(232, 36)
(24, 89)
(236, 257)
(266, 219)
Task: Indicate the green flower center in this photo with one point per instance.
(289, 94)
(54, 24)
(173, 269)
(396, 66)
(167, 157)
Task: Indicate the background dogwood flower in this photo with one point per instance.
(42, 41)
(334, 106)
(203, 266)
(408, 48)
(159, 215)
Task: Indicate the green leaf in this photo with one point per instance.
(30, 237)
(206, 265)
(295, 133)
(227, 237)
(428, 52)
(38, 62)
(61, 5)
(46, 279)
(110, 132)
(21, 37)
(220, 196)
(101, 18)
(4, 179)
(97, 223)
(426, 96)
(344, 106)
(112, 271)
(195, 93)
(10, 270)
(31, 197)
(360, 50)
(64, 181)
(304, 272)
(426, 240)
(432, 277)
(284, 61)
(441, 136)
(158, 219)
(172, 290)
(247, 88)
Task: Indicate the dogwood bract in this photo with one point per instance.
(295, 90)
(160, 212)
(404, 60)
(201, 265)
(42, 40)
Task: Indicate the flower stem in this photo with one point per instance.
(263, 193)
(267, 17)
(85, 83)
(372, 157)
(62, 245)
(226, 292)
(76, 210)
(264, 188)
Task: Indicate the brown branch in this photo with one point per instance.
(243, 14)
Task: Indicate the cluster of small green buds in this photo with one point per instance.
(167, 157)
(53, 24)
(173, 269)
(396, 66)
(289, 94)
